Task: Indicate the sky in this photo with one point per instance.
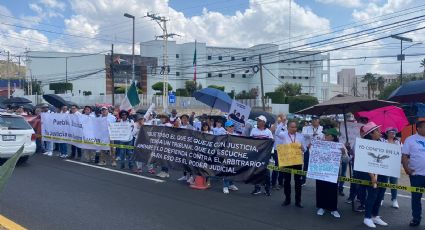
(91, 26)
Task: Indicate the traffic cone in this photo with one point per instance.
(200, 183)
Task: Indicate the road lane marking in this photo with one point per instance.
(117, 171)
(9, 224)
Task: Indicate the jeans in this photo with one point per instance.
(393, 180)
(343, 173)
(305, 167)
(39, 146)
(357, 190)
(277, 177)
(417, 181)
(63, 149)
(266, 183)
(125, 154)
(48, 146)
(227, 183)
(374, 198)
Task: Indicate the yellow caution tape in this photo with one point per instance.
(351, 180)
(88, 142)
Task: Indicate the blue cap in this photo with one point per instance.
(228, 123)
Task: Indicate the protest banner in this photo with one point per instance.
(353, 130)
(324, 162)
(75, 128)
(377, 157)
(120, 131)
(237, 158)
(239, 114)
(289, 154)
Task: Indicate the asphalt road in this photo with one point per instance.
(50, 193)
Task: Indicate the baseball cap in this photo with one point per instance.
(261, 117)
(229, 123)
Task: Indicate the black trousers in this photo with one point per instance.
(75, 151)
(277, 177)
(287, 184)
(305, 167)
(327, 195)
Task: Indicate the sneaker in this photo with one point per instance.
(103, 163)
(361, 208)
(276, 187)
(183, 178)
(256, 192)
(50, 153)
(348, 201)
(369, 222)
(163, 175)
(377, 220)
(395, 204)
(191, 180)
(226, 190)
(320, 212)
(233, 187)
(45, 153)
(414, 223)
(114, 164)
(336, 214)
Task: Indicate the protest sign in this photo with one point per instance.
(353, 130)
(75, 129)
(324, 162)
(289, 154)
(237, 158)
(120, 131)
(239, 114)
(377, 157)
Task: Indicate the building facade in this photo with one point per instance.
(237, 69)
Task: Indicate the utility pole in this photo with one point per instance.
(66, 74)
(162, 22)
(132, 54)
(111, 69)
(19, 70)
(262, 85)
(8, 74)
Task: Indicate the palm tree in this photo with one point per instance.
(423, 66)
(370, 80)
(381, 83)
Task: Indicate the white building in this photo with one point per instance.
(86, 72)
(238, 68)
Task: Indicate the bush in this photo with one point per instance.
(120, 90)
(60, 87)
(182, 92)
(277, 97)
(216, 87)
(298, 103)
(159, 86)
(87, 93)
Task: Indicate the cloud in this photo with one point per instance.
(36, 8)
(54, 4)
(343, 3)
(373, 9)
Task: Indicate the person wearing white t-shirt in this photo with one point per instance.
(311, 132)
(218, 129)
(291, 136)
(262, 132)
(279, 132)
(413, 160)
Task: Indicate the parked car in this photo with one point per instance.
(15, 131)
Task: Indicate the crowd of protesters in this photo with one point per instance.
(370, 198)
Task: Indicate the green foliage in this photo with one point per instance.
(36, 87)
(232, 94)
(182, 92)
(216, 87)
(289, 89)
(191, 86)
(159, 86)
(120, 90)
(386, 92)
(277, 97)
(297, 103)
(60, 87)
(87, 93)
(251, 94)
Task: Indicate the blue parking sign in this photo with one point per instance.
(171, 98)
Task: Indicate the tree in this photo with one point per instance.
(386, 92)
(289, 89)
(192, 86)
(182, 92)
(159, 86)
(381, 83)
(298, 103)
(217, 87)
(423, 66)
(370, 80)
(60, 87)
(36, 87)
(251, 94)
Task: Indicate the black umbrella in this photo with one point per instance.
(16, 100)
(271, 118)
(55, 100)
(410, 92)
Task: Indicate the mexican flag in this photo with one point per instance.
(131, 99)
(194, 64)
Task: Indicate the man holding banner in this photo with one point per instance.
(290, 155)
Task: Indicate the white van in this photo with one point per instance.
(15, 131)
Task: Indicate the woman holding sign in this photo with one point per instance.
(371, 131)
(327, 192)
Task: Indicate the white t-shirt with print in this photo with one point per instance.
(414, 147)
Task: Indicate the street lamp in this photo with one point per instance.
(401, 56)
(132, 63)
